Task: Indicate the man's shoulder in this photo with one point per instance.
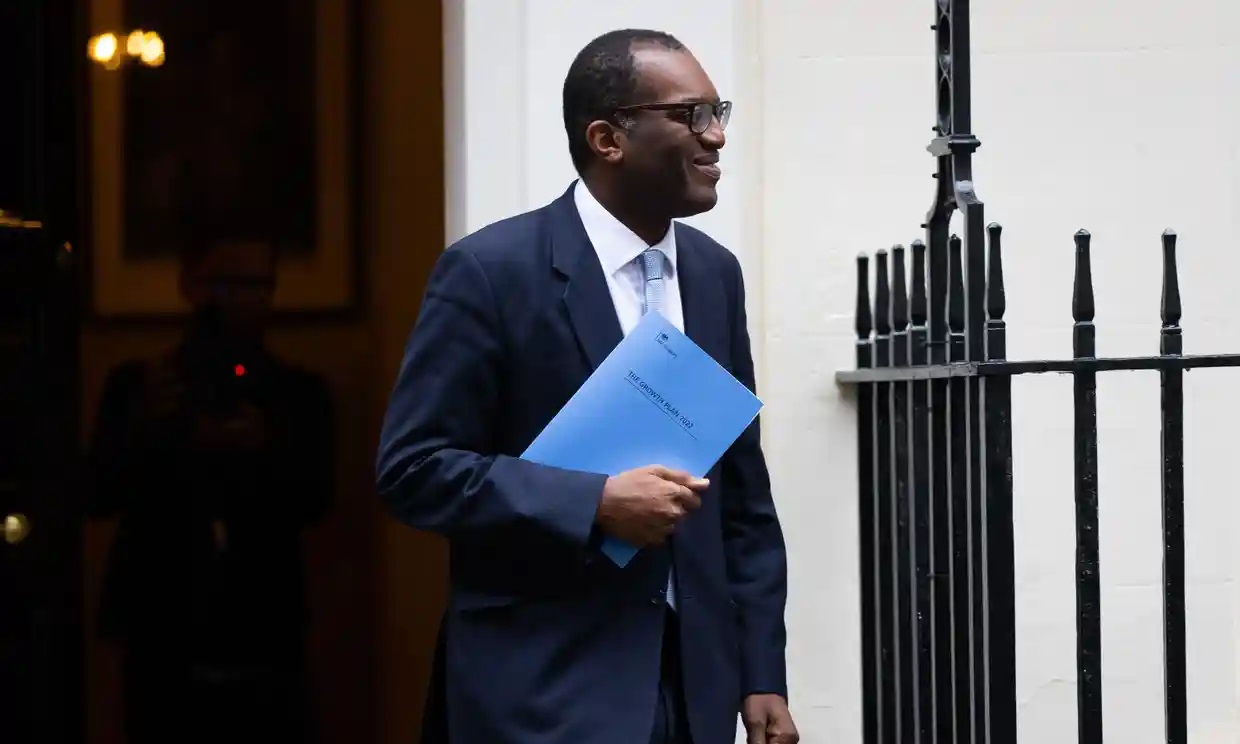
(697, 241)
(506, 238)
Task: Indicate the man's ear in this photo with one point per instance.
(606, 140)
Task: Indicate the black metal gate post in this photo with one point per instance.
(1172, 345)
(1085, 424)
(934, 430)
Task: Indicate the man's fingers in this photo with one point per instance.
(755, 726)
(782, 730)
(697, 484)
(782, 733)
(679, 477)
(676, 511)
(756, 733)
(661, 533)
(670, 474)
(688, 481)
(688, 499)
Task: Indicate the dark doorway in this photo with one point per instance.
(40, 519)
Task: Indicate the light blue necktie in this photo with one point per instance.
(652, 267)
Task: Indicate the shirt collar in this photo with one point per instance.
(615, 243)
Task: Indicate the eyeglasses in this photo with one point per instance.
(697, 115)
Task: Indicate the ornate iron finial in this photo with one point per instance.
(1084, 344)
(1172, 340)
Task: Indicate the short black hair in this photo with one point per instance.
(602, 78)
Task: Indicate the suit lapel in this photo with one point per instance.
(702, 298)
(586, 296)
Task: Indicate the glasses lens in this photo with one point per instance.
(702, 114)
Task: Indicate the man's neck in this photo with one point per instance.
(649, 227)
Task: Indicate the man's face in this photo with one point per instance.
(664, 160)
(233, 283)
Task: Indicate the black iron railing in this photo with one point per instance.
(934, 427)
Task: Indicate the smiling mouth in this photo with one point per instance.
(710, 170)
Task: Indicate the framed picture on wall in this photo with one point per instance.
(240, 130)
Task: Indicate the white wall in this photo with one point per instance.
(1119, 116)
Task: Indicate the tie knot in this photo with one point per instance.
(652, 263)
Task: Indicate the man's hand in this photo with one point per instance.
(767, 720)
(643, 506)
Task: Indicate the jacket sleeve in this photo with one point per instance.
(753, 538)
(437, 467)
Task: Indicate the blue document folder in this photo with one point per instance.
(657, 399)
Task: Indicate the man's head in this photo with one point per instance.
(229, 284)
(644, 122)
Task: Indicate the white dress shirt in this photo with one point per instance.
(619, 252)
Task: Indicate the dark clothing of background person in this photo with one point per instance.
(214, 460)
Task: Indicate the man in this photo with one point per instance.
(545, 640)
(214, 458)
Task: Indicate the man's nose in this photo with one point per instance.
(713, 137)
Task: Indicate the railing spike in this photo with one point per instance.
(882, 295)
(955, 286)
(865, 317)
(918, 290)
(1170, 306)
(996, 297)
(899, 290)
(1083, 282)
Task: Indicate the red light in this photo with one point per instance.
(239, 370)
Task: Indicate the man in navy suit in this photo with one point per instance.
(545, 640)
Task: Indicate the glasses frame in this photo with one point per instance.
(720, 111)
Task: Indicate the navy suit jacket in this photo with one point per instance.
(545, 640)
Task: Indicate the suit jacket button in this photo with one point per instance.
(656, 601)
